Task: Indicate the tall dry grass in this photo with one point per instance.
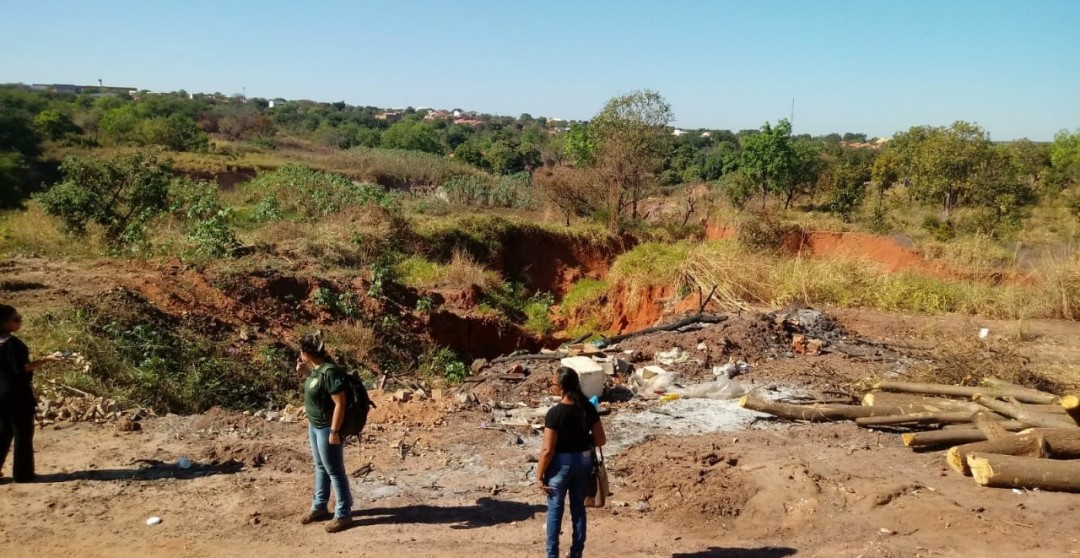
(744, 278)
(32, 231)
(461, 272)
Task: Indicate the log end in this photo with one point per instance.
(980, 467)
(1070, 402)
(955, 458)
(743, 400)
(868, 399)
(908, 438)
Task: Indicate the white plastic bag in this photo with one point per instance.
(722, 388)
(651, 380)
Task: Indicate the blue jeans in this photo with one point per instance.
(568, 472)
(329, 470)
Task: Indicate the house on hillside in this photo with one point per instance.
(677, 132)
(390, 117)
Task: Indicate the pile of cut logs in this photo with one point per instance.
(1002, 434)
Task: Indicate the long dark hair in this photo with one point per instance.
(570, 384)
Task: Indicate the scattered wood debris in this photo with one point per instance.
(1001, 434)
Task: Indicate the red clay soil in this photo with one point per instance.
(633, 315)
(479, 336)
(884, 250)
(550, 262)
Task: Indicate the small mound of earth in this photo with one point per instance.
(255, 455)
(692, 482)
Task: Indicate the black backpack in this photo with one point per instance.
(357, 405)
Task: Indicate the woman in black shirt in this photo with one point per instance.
(571, 430)
(17, 401)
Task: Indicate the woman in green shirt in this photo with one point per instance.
(324, 401)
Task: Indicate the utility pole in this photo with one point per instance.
(792, 120)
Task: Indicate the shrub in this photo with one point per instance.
(538, 313)
(121, 195)
(510, 191)
(142, 356)
(762, 232)
(444, 363)
(207, 220)
(308, 193)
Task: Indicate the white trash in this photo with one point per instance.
(183, 463)
(722, 388)
(651, 380)
(731, 369)
(155, 520)
(674, 356)
(590, 373)
(606, 363)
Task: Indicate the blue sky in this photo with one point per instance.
(873, 67)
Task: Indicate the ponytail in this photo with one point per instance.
(570, 384)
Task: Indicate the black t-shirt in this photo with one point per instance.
(575, 431)
(14, 357)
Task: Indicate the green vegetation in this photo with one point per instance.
(121, 195)
(140, 355)
(369, 211)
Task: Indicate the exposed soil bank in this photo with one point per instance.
(552, 262)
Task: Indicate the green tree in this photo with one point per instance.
(503, 157)
(953, 166)
(579, 146)
(412, 135)
(121, 195)
(632, 138)
(13, 172)
(1032, 160)
(845, 174)
(1065, 158)
(55, 125)
(768, 158)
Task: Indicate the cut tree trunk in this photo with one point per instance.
(689, 320)
(943, 437)
(919, 403)
(1023, 395)
(989, 424)
(1071, 404)
(1029, 395)
(1027, 444)
(1021, 414)
(1006, 471)
(1008, 425)
(915, 418)
(813, 413)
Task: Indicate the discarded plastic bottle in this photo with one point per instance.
(595, 401)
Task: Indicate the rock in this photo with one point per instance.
(272, 416)
(402, 396)
(438, 394)
(479, 364)
(292, 413)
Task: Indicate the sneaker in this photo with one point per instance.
(339, 524)
(316, 515)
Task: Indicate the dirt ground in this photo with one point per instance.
(690, 478)
(429, 481)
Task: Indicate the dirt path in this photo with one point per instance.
(780, 490)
